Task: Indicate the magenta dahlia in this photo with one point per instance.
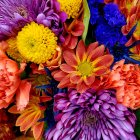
(91, 116)
(14, 14)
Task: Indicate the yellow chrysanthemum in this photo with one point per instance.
(36, 43)
(71, 7)
(12, 50)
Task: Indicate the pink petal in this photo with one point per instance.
(99, 51)
(66, 68)
(74, 78)
(92, 47)
(80, 51)
(89, 80)
(105, 60)
(22, 94)
(70, 58)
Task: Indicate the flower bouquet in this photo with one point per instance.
(69, 69)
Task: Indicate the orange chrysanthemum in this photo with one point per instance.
(81, 69)
(29, 117)
(125, 78)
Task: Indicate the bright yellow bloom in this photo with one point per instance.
(12, 50)
(36, 43)
(71, 7)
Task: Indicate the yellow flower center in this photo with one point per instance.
(71, 7)
(36, 43)
(85, 68)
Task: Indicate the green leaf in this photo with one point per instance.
(137, 128)
(86, 19)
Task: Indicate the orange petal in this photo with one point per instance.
(14, 110)
(82, 87)
(77, 28)
(105, 60)
(92, 47)
(70, 58)
(74, 78)
(67, 40)
(100, 70)
(30, 121)
(64, 82)
(22, 94)
(59, 75)
(23, 117)
(89, 80)
(66, 68)
(38, 130)
(73, 42)
(80, 50)
(99, 51)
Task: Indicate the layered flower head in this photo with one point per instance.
(91, 116)
(71, 7)
(83, 66)
(125, 78)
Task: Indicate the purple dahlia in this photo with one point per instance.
(14, 14)
(91, 116)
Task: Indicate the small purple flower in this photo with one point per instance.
(15, 14)
(91, 116)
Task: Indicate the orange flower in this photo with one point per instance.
(75, 29)
(81, 69)
(10, 83)
(29, 117)
(125, 78)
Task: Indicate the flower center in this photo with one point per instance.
(36, 43)
(89, 119)
(71, 7)
(85, 68)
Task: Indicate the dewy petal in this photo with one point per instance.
(80, 50)
(22, 94)
(66, 68)
(70, 58)
(89, 80)
(99, 51)
(105, 60)
(92, 47)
